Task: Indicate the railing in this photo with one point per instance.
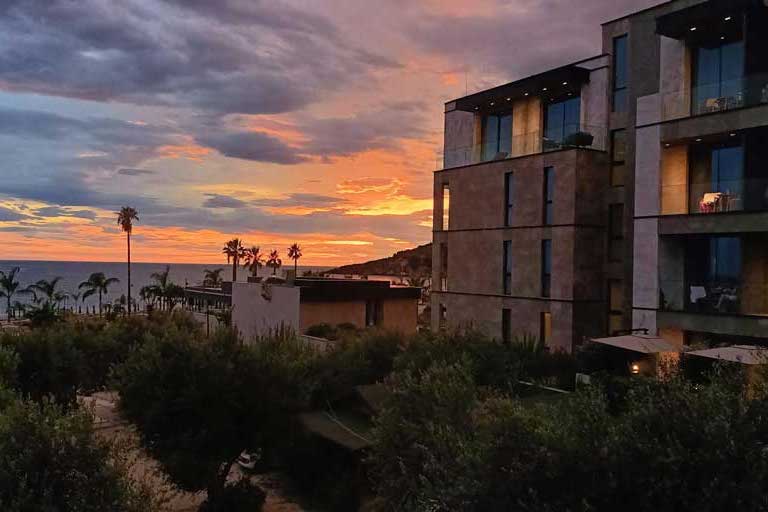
(709, 198)
(532, 143)
(734, 297)
(721, 96)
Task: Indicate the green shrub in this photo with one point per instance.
(241, 496)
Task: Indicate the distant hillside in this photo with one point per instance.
(410, 261)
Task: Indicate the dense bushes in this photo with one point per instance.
(444, 443)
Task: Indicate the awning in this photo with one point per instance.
(710, 16)
(638, 343)
(744, 354)
(343, 431)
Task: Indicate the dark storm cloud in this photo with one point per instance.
(517, 38)
(134, 172)
(56, 211)
(225, 57)
(8, 215)
(223, 201)
(300, 199)
(256, 146)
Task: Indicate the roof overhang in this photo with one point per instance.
(638, 343)
(559, 81)
(703, 18)
(743, 354)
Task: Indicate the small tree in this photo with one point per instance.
(274, 261)
(254, 260)
(213, 278)
(294, 253)
(9, 285)
(97, 283)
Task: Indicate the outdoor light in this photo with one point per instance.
(727, 18)
(544, 89)
(509, 99)
(667, 145)
(492, 103)
(635, 368)
(693, 29)
(477, 108)
(526, 94)
(733, 135)
(698, 140)
(565, 83)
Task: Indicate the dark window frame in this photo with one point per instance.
(615, 236)
(616, 163)
(548, 195)
(611, 311)
(500, 143)
(506, 325)
(546, 273)
(507, 267)
(509, 188)
(619, 82)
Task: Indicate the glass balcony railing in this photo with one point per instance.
(722, 96)
(721, 197)
(724, 297)
(582, 136)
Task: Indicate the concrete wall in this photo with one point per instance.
(754, 294)
(675, 86)
(594, 98)
(527, 123)
(401, 315)
(647, 171)
(459, 137)
(253, 315)
(674, 180)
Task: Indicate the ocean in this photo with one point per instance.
(73, 273)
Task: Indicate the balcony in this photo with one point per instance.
(724, 297)
(533, 143)
(745, 195)
(748, 91)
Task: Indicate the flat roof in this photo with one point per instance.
(638, 343)
(558, 80)
(319, 289)
(744, 354)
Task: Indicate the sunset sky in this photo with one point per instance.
(317, 122)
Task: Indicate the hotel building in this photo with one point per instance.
(623, 192)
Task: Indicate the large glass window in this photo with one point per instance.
(508, 194)
(507, 267)
(561, 120)
(724, 259)
(546, 267)
(618, 157)
(549, 193)
(620, 74)
(713, 271)
(497, 136)
(718, 79)
(717, 178)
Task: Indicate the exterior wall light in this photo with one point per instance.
(728, 18)
(635, 368)
(693, 29)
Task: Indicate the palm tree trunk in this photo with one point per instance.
(295, 267)
(234, 269)
(8, 311)
(99, 302)
(129, 273)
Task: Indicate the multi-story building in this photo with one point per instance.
(622, 192)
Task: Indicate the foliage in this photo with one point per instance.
(9, 286)
(443, 444)
(274, 262)
(51, 460)
(99, 284)
(198, 403)
(294, 253)
(213, 278)
(234, 251)
(254, 260)
(242, 496)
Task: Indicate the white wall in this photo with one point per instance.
(253, 315)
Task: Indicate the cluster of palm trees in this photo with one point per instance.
(253, 259)
(163, 292)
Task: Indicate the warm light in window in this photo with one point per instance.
(635, 369)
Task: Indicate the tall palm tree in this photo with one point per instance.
(254, 260)
(294, 252)
(97, 283)
(235, 252)
(274, 261)
(125, 218)
(8, 287)
(213, 278)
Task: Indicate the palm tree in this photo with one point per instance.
(125, 218)
(162, 288)
(254, 260)
(97, 283)
(274, 261)
(213, 278)
(48, 289)
(294, 252)
(8, 287)
(235, 251)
